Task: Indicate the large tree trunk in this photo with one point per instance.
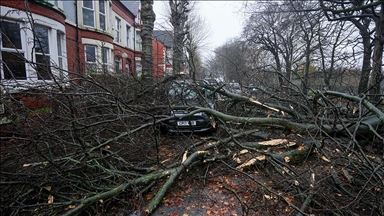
(178, 19)
(366, 67)
(148, 17)
(378, 77)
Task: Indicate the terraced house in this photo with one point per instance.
(46, 41)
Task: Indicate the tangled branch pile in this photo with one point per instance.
(96, 148)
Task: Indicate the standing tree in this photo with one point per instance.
(229, 61)
(148, 17)
(361, 14)
(197, 34)
(274, 32)
(179, 17)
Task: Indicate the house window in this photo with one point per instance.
(88, 13)
(138, 66)
(102, 14)
(12, 51)
(42, 53)
(127, 34)
(60, 54)
(118, 65)
(127, 65)
(117, 29)
(104, 58)
(90, 59)
(138, 40)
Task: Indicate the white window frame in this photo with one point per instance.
(138, 41)
(21, 50)
(84, 8)
(46, 55)
(118, 64)
(60, 54)
(90, 66)
(117, 29)
(105, 59)
(138, 66)
(101, 14)
(128, 31)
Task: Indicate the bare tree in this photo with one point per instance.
(274, 33)
(196, 42)
(361, 14)
(229, 62)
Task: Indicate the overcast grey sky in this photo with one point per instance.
(222, 17)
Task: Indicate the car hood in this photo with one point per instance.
(194, 102)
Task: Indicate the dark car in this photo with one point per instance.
(184, 94)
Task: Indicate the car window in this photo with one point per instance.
(182, 91)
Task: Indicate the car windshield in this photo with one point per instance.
(182, 90)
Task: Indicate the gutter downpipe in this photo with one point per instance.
(77, 39)
(134, 44)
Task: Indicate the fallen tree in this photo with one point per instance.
(96, 149)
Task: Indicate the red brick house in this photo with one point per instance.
(72, 39)
(103, 36)
(33, 49)
(158, 58)
(166, 38)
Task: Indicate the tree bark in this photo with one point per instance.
(174, 175)
(148, 17)
(179, 16)
(378, 76)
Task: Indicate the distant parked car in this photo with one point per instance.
(235, 87)
(184, 94)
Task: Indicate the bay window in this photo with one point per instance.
(31, 53)
(42, 53)
(88, 13)
(60, 54)
(104, 58)
(12, 51)
(90, 59)
(102, 14)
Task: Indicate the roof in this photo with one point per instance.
(132, 5)
(165, 37)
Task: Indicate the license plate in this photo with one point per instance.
(186, 123)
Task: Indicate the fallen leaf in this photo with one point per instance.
(286, 159)
(50, 199)
(148, 196)
(325, 159)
